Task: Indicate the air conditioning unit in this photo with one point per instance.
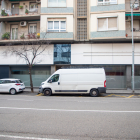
(128, 18)
(23, 23)
(38, 1)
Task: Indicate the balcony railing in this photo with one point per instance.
(18, 11)
(136, 32)
(19, 36)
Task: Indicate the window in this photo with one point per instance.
(136, 25)
(107, 2)
(32, 28)
(56, 3)
(65, 54)
(105, 24)
(56, 26)
(55, 78)
(14, 32)
(62, 53)
(55, 54)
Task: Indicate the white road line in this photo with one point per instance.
(18, 100)
(28, 138)
(65, 110)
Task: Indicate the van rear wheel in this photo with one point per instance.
(94, 93)
(47, 92)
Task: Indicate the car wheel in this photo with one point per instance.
(94, 93)
(47, 92)
(13, 91)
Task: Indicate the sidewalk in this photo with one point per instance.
(108, 91)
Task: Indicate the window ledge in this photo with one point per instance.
(57, 32)
(107, 30)
(107, 5)
(57, 7)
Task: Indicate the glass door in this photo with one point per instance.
(15, 8)
(14, 32)
(32, 28)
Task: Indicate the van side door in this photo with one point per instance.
(54, 83)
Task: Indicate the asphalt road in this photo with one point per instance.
(27, 116)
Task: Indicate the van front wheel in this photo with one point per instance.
(94, 93)
(47, 92)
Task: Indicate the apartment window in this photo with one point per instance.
(107, 2)
(32, 28)
(105, 24)
(136, 25)
(56, 3)
(56, 26)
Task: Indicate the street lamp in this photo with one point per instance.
(132, 47)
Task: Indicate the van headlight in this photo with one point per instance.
(42, 84)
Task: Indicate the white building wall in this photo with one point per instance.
(46, 57)
(104, 53)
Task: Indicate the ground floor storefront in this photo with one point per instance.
(117, 76)
(115, 58)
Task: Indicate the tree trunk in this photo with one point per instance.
(31, 82)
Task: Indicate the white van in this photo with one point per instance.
(84, 81)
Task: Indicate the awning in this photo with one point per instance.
(134, 14)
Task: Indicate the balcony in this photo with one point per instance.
(16, 12)
(136, 6)
(16, 36)
(136, 27)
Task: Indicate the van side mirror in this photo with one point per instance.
(50, 81)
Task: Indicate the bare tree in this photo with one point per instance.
(29, 51)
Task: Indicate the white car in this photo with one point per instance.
(11, 85)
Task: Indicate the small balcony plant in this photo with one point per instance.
(22, 36)
(32, 6)
(31, 36)
(6, 35)
(38, 35)
(26, 11)
(3, 13)
(20, 7)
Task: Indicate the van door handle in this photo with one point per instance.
(58, 83)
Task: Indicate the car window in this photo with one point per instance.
(4, 81)
(13, 81)
(20, 81)
(55, 78)
(1, 81)
(7, 81)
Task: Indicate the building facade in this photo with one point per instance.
(82, 34)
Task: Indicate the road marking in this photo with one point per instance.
(130, 96)
(28, 138)
(65, 110)
(19, 100)
(41, 94)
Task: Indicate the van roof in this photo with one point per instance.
(90, 70)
